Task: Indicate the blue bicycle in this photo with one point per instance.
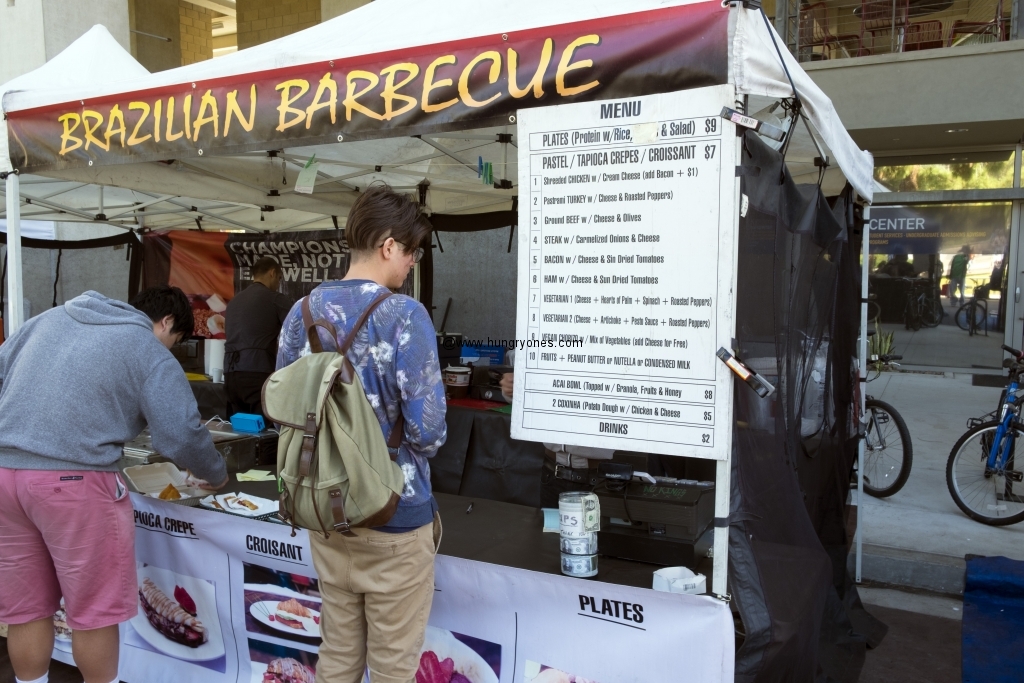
(980, 472)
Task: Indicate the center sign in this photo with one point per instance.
(627, 274)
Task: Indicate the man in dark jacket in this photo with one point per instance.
(76, 383)
(253, 322)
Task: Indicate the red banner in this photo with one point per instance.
(452, 86)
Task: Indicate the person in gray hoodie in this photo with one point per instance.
(76, 383)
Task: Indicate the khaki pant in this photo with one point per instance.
(377, 590)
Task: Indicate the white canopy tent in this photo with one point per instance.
(249, 185)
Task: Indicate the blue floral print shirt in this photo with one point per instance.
(395, 354)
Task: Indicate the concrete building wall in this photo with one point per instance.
(909, 101)
(335, 8)
(479, 274)
(21, 38)
(157, 18)
(66, 20)
(260, 21)
(196, 33)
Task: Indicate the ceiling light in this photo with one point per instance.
(957, 130)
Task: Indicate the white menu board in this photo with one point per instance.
(627, 259)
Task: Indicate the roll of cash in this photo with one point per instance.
(587, 545)
(579, 566)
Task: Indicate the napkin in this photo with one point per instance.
(256, 475)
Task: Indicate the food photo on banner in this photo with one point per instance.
(212, 267)
(282, 606)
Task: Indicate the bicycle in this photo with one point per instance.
(923, 307)
(980, 471)
(888, 449)
(974, 312)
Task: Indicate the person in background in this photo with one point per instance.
(958, 274)
(252, 323)
(76, 383)
(378, 586)
(565, 467)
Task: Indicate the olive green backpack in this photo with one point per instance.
(334, 466)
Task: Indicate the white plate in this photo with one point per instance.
(264, 505)
(467, 662)
(203, 594)
(263, 610)
(62, 643)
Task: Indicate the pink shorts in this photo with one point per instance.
(69, 533)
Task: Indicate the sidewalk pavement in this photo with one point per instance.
(918, 538)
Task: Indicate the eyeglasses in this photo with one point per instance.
(417, 254)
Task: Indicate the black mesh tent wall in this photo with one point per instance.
(793, 454)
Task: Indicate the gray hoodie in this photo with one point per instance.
(78, 381)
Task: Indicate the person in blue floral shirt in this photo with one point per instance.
(377, 587)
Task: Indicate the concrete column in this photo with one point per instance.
(335, 8)
(260, 21)
(14, 280)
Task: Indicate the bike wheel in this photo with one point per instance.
(963, 319)
(888, 451)
(932, 313)
(985, 496)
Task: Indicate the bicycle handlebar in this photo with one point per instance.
(1013, 351)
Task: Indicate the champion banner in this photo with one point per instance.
(211, 267)
(256, 603)
(464, 84)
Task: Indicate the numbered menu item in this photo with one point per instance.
(626, 273)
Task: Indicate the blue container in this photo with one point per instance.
(247, 424)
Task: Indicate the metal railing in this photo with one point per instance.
(835, 29)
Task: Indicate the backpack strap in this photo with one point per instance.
(310, 326)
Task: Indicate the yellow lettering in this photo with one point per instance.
(187, 108)
(171, 135)
(429, 84)
(90, 137)
(115, 115)
(134, 138)
(565, 65)
(537, 82)
(390, 93)
(351, 96)
(207, 114)
(287, 101)
(495, 59)
(67, 137)
(157, 109)
(327, 84)
(234, 110)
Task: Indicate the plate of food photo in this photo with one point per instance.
(288, 616)
(178, 615)
(285, 670)
(446, 659)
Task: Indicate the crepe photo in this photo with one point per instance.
(534, 672)
(278, 664)
(282, 605)
(449, 657)
(178, 615)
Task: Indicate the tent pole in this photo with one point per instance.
(14, 281)
(720, 567)
(862, 376)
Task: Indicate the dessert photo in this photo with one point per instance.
(177, 615)
(61, 630)
(535, 672)
(278, 664)
(282, 605)
(449, 657)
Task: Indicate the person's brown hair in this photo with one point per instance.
(265, 265)
(379, 213)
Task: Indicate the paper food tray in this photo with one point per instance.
(152, 479)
